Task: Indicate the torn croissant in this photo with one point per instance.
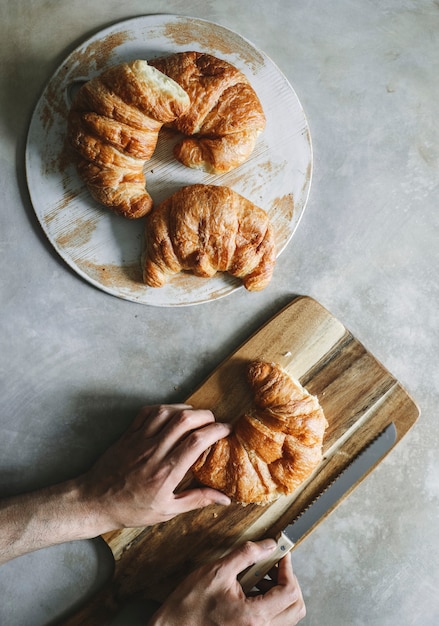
(113, 127)
(225, 116)
(207, 229)
(273, 448)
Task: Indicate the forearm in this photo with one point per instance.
(45, 517)
(131, 485)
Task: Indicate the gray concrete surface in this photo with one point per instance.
(76, 363)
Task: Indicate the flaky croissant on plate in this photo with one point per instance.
(273, 448)
(207, 229)
(113, 128)
(225, 116)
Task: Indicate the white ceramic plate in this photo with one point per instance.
(105, 249)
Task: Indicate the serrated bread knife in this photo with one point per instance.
(322, 505)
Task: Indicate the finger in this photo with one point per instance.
(181, 425)
(192, 499)
(153, 418)
(192, 447)
(285, 574)
(141, 417)
(292, 614)
(247, 554)
(272, 577)
(286, 592)
(286, 577)
(292, 580)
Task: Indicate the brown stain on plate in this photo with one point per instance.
(99, 52)
(79, 235)
(282, 214)
(285, 206)
(187, 280)
(213, 38)
(95, 56)
(113, 276)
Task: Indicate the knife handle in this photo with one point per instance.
(256, 572)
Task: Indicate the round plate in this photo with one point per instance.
(104, 248)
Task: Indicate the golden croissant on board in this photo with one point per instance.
(273, 448)
(208, 229)
(113, 128)
(225, 116)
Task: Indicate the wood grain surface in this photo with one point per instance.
(359, 397)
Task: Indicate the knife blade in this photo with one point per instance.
(322, 505)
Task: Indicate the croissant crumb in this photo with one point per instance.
(274, 448)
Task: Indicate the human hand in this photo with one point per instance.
(212, 595)
(133, 483)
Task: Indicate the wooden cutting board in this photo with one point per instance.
(359, 397)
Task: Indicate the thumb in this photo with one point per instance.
(191, 499)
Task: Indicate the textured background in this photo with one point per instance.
(76, 364)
